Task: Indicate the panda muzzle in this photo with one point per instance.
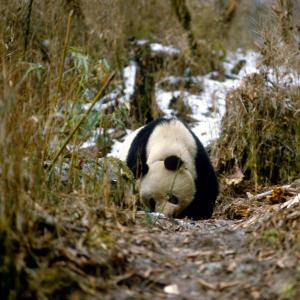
(152, 204)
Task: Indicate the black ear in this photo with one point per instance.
(173, 163)
(144, 169)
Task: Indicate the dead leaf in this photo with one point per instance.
(237, 211)
(231, 267)
(150, 271)
(229, 252)
(199, 253)
(235, 178)
(277, 196)
(172, 289)
(265, 255)
(280, 263)
(256, 295)
(215, 286)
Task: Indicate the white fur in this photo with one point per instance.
(159, 182)
(167, 139)
(172, 138)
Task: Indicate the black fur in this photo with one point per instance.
(207, 187)
(136, 158)
(206, 182)
(173, 163)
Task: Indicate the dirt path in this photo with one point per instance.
(213, 259)
(89, 252)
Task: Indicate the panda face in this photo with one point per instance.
(168, 187)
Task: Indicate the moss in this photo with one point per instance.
(271, 237)
(289, 288)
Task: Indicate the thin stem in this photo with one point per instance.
(63, 57)
(96, 98)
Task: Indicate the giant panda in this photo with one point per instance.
(174, 172)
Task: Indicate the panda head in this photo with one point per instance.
(167, 186)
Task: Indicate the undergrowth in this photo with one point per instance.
(261, 128)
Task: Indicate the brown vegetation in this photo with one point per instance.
(74, 233)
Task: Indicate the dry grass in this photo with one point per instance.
(261, 128)
(260, 132)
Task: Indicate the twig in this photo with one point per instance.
(267, 193)
(63, 62)
(27, 30)
(207, 284)
(217, 286)
(291, 202)
(96, 98)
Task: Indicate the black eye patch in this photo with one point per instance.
(173, 199)
(173, 163)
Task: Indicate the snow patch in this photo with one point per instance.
(208, 107)
(129, 74)
(155, 47)
(207, 104)
(159, 48)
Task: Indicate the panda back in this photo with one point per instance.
(126, 145)
(136, 158)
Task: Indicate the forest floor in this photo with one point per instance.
(250, 249)
(211, 259)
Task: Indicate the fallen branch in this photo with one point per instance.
(291, 202)
(286, 188)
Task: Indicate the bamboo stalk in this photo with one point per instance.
(60, 78)
(63, 57)
(94, 101)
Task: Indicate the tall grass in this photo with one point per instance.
(35, 89)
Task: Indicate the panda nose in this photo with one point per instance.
(152, 204)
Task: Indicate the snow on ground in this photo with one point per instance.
(116, 146)
(156, 47)
(282, 77)
(208, 107)
(250, 58)
(129, 80)
(121, 94)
